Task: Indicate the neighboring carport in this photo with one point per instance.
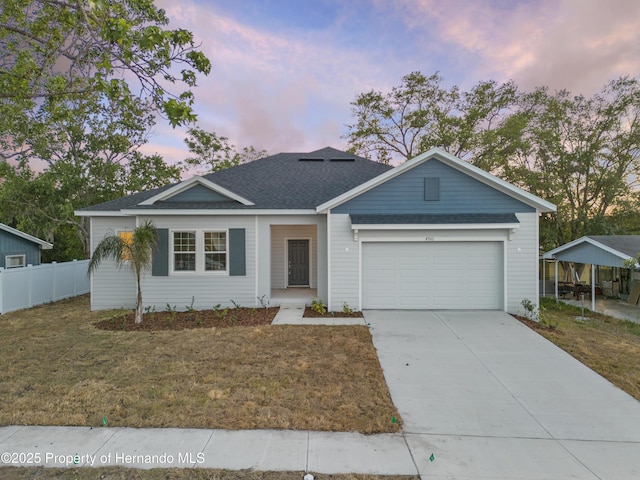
(596, 250)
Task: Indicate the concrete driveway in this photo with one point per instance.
(491, 399)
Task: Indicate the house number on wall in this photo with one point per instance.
(430, 239)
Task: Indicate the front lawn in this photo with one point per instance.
(58, 368)
(607, 345)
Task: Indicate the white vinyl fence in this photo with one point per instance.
(28, 286)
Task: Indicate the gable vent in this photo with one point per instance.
(342, 160)
(432, 189)
(311, 160)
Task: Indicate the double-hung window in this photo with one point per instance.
(215, 251)
(184, 251)
(200, 251)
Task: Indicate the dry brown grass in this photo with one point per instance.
(607, 345)
(118, 473)
(58, 369)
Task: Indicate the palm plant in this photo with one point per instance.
(135, 252)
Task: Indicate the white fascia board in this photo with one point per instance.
(436, 226)
(182, 186)
(550, 255)
(98, 213)
(26, 236)
(213, 211)
(453, 161)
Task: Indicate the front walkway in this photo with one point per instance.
(293, 314)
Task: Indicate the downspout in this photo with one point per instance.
(329, 306)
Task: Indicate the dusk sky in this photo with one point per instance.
(285, 71)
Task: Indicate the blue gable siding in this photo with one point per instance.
(199, 193)
(459, 193)
(12, 245)
(587, 253)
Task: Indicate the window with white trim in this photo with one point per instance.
(200, 251)
(15, 261)
(215, 251)
(184, 251)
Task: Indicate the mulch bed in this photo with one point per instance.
(153, 321)
(308, 312)
(535, 325)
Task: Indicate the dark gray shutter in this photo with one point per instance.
(160, 264)
(237, 252)
(432, 189)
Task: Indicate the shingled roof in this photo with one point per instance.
(282, 181)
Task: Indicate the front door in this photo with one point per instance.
(298, 263)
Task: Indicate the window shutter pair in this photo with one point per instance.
(237, 253)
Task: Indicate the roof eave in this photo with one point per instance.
(551, 254)
(45, 245)
(434, 226)
(183, 186)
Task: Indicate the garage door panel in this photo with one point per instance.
(440, 275)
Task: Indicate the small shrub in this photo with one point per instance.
(532, 312)
(220, 312)
(263, 303)
(346, 309)
(190, 307)
(235, 304)
(318, 306)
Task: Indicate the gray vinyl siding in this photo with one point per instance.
(12, 245)
(522, 265)
(208, 288)
(589, 254)
(111, 287)
(344, 264)
(458, 193)
(279, 236)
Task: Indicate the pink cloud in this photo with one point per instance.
(266, 88)
(573, 44)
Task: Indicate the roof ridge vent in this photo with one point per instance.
(311, 159)
(343, 159)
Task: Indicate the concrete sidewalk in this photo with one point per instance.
(265, 450)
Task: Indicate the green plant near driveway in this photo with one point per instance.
(59, 369)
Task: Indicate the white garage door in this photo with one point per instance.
(432, 275)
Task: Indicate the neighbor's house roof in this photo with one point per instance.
(606, 250)
(286, 181)
(26, 236)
